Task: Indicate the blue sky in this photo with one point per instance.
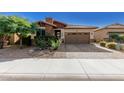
(80, 18)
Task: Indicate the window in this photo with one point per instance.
(72, 33)
(86, 33)
(69, 33)
(43, 32)
(40, 32)
(58, 33)
(79, 33)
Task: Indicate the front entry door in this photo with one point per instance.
(58, 33)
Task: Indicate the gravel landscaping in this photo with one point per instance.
(73, 51)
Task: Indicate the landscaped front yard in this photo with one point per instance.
(68, 51)
(115, 41)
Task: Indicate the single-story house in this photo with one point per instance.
(105, 32)
(77, 34)
(68, 33)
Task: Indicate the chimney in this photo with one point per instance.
(49, 20)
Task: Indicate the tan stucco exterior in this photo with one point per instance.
(102, 34)
(52, 25)
(94, 33)
(14, 38)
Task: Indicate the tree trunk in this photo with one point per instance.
(1, 42)
(20, 42)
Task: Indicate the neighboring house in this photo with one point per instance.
(105, 32)
(68, 33)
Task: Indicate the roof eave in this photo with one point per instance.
(46, 23)
(107, 28)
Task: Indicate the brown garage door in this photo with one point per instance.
(78, 38)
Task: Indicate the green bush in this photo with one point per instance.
(48, 42)
(122, 38)
(115, 37)
(97, 41)
(102, 43)
(54, 43)
(111, 45)
(41, 42)
(118, 47)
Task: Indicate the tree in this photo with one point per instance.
(115, 36)
(22, 27)
(34, 27)
(122, 38)
(6, 28)
(14, 24)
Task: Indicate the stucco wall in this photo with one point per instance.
(103, 33)
(14, 38)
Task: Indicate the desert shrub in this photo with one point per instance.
(102, 43)
(118, 47)
(97, 41)
(122, 38)
(50, 42)
(115, 37)
(54, 43)
(122, 47)
(111, 45)
(41, 42)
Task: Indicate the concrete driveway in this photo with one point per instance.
(62, 69)
(82, 48)
(86, 51)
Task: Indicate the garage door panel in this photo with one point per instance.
(77, 37)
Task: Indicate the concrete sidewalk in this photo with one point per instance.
(61, 69)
